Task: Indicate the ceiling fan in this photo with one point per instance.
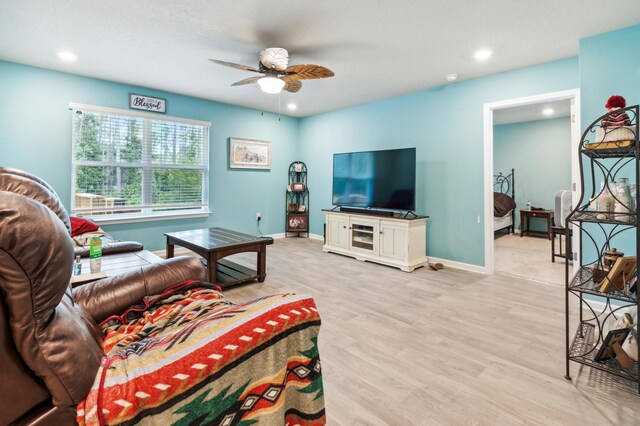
(277, 74)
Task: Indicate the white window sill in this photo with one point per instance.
(106, 220)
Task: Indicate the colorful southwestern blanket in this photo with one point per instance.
(191, 357)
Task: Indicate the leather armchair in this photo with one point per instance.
(49, 335)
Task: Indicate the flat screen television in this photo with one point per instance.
(375, 179)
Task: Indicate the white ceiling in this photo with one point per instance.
(377, 49)
(532, 112)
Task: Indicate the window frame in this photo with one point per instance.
(147, 213)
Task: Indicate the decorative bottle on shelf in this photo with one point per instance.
(604, 201)
(527, 206)
(77, 267)
(623, 201)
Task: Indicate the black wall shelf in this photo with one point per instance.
(606, 158)
(297, 201)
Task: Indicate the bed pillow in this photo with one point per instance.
(80, 225)
(502, 204)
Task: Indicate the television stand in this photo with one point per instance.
(393, 241)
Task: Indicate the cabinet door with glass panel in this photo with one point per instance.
(364, 235)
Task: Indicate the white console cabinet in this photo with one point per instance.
(390, 241)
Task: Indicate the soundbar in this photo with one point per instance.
(368, 212)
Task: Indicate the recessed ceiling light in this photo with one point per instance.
(292, 106)
(67, 56)
(482, 54)
(451, 77)
(547, 111)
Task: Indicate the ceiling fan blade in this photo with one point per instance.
(292, 84)
(249, 80)
(308, 72)
(237, 66)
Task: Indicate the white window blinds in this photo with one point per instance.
(128, 163)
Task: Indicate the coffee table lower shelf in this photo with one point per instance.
(229, 273)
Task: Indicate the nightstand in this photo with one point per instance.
(525, 218)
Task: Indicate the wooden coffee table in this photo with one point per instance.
(216, 243)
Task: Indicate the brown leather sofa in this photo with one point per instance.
(49, 337)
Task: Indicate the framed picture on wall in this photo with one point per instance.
(249, 154)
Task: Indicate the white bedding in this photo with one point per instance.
(502, 222)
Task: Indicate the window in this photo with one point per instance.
(130, 165)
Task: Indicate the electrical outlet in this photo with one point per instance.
(478, 219)
(258, 216)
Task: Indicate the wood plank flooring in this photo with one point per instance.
(525, 257)
(446, 347)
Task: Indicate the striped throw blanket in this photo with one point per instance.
(190, 357)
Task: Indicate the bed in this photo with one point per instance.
(504, 201)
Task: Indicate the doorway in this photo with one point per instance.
(527, 250)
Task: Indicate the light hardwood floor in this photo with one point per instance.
(446, 347)
(525, 257)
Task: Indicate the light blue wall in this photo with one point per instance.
(35, 135)
(540, 153)
(445, 124)
(609, 64)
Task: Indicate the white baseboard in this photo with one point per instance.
(459, 265)
(311, 236)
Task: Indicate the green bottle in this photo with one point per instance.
(95, 255)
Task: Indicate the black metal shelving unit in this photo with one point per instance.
(605, 158)
(297, 201)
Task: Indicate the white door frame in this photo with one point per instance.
(574, 96)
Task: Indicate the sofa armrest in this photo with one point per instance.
(111, 296)
(111, 248)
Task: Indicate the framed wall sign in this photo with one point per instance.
(249, 154)
(147, 103)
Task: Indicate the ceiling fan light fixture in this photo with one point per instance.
(271, 85)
